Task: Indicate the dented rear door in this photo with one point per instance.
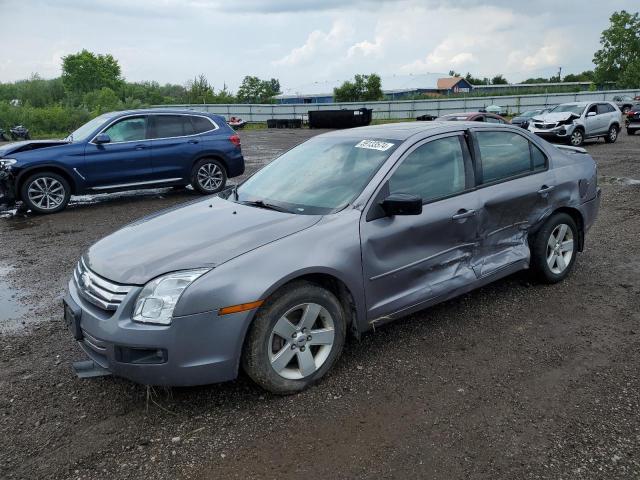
(514, 186)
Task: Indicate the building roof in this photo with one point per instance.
(448, 82)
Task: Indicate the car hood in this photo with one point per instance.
(22, 149)
(555, 117)
(204, 233)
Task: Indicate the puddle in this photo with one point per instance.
(618, 180)
(12, 310)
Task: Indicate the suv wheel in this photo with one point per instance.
(295, 339)
(46, 192)
(631, 131)
(208, 176)
(577, 138)
(553, 251)
(612, 134)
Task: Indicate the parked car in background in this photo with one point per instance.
(522, 120)
(575, 122)
(633, 119)
(473, 117)
(624, 102)
(124, 151)
(344, 232)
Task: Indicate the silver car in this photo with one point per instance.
(574, 122)
(347, 231)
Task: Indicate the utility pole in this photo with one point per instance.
(559, 74)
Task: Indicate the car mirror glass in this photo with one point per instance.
(402, 204)
(102, 138)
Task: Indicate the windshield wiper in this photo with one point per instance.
(267, 206)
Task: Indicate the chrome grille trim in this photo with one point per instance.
(97, 290)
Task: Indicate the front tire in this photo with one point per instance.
(577, 138)
(295, 339)
(612, 134)
(46, 192)
(208, 176)
(554, 248)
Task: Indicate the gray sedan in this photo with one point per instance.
(347, 231)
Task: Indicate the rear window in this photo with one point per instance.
(201, 124)
(507, 154)
(167, 126)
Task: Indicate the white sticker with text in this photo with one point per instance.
(375, 145)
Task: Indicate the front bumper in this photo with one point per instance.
(194, 350)
(7, 188)
(560, 133)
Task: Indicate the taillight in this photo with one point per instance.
(235, 139)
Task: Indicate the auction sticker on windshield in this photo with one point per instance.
(374, 145)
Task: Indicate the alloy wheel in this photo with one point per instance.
(301, 341)
(210, 177)
(576, 138)
(560, 248)
(613, 134)
(46, 193)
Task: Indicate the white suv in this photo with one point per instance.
(575, 122)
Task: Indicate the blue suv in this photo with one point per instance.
(122, 151)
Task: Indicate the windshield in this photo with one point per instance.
(88, 128)
(576, 108)
(320, 176)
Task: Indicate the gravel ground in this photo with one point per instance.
(515, 380)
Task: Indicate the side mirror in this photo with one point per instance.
(591, 114)
(102, 138)
(402, 204)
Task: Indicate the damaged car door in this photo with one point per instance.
(411, 259)
(514, 185)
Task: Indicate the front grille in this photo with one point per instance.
(545, 126)
(97, 290)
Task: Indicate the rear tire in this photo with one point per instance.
(208, 176)
(554, 248)
(46, 192)
(612, 134)
(631, 131)
(295, 339)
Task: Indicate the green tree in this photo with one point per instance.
(475, 80)
(85, 72)
(199, 90)
(586, 76)
(620, 50)
(499, 80)
(364, 88)
(100, 101)
(254, 90)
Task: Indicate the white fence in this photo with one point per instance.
(403, 108)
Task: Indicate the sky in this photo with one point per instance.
(309, 45)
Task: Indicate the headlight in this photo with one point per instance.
(158, 298)
(6, 162)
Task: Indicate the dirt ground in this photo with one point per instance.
(513, 381)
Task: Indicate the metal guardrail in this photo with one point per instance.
(402, 109)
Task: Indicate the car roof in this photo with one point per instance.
(404, 130)
(145, 111)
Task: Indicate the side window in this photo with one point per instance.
(493, 120)
(128, 130)
(479, 119)
(167, 126)
(433, 170)
(603, 108)
(592, 108)
(201, 124)
(538, 159)
(504, 154)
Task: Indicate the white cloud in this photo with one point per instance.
(318, 43)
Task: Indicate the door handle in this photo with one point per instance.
(463, 213)
(194, 141)
(141, 147)
(545, 189)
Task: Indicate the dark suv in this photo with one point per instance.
(123, 151)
